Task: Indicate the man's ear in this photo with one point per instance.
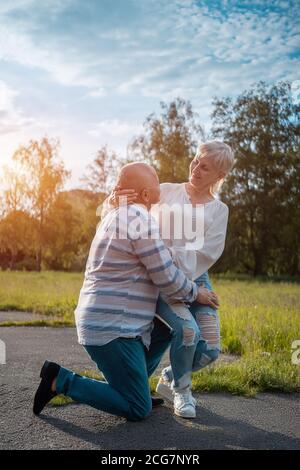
(145, 195)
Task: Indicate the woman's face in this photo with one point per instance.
(203, 172)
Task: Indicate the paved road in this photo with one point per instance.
(223, 421)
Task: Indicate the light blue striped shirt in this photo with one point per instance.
(127, 267)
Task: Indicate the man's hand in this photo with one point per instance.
(207, 297)
(120, 196)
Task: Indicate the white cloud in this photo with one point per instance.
(96, 93)
(12, 118)
(110, 129)
(146, 60)
(130, 56)
(7, 97)
(7, 7)
(66, 69)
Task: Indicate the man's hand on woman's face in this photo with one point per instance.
(120, 196)
(207, 297)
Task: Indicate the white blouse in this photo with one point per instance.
(197, 261)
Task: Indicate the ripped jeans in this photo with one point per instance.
(195, 337)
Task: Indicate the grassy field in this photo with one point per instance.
(259, 322)
(50, 293)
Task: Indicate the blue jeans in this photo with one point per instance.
(126, 365)
(195, 337)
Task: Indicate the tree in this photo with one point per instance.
(16, 236)
(71, 224)
(263, 127)
(16, 226)
(14, 197)
(102, 173)
(63, 234)
(170, 140)
(2, 205)
(44, 176)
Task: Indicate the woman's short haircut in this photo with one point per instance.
(223, 158)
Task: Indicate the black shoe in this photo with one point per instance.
(44, 393)
(156, 401)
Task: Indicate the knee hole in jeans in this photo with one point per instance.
(181, 311)
(189, 336)
(209, 329)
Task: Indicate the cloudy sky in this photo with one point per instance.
(90, 71)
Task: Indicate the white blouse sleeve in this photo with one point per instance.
(196, 262)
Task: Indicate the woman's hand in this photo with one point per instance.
(207, 297)
(120, 196)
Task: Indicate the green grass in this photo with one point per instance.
(48, 293)
(250, 375)
(257, 317)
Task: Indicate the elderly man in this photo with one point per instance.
(128, 266)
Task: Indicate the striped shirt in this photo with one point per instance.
(128, 266)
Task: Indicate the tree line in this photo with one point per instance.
(43, 226)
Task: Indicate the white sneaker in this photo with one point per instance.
(185, 404)
(164, 389)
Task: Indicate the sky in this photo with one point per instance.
(90, 72)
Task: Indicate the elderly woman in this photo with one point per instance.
(195, 328)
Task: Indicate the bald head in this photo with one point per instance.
(136, 176)
(143, 179)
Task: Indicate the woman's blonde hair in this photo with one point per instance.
(223, 158)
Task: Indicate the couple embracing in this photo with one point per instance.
(145, 292)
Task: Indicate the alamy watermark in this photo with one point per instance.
(296, 352)
(176, 222)
(2, 352)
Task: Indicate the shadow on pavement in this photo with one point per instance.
(164, 430)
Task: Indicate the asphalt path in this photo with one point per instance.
(268, 421)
